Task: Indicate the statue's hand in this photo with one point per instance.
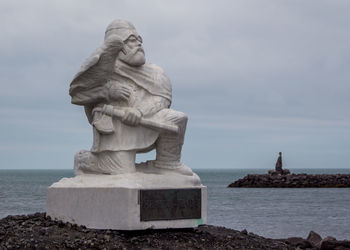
(132, 117)
(119, 93)
(114, 44)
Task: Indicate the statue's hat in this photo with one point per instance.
(121, 28)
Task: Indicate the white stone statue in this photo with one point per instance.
(127, 101)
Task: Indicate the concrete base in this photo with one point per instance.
(111, 207)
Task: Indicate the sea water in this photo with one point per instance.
(269, 212)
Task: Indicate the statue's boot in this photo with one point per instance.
(179, 168)
(168, 149)
(154, 167)
(107, 162)
(84, 162)
(169, 145)
(168, 159)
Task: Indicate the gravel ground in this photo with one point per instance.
(39, 232)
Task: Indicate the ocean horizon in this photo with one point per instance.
(269, 212)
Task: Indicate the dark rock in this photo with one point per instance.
(332, 244)
(329, 238)
(298, 242)
(285, 171)
(314, 239)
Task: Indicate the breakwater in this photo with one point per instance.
(293, 181)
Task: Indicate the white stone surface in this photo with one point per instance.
(132, 180)
(112, 202)
(127, 101)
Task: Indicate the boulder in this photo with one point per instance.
(330, 243)
(298, 242)
(314, 239)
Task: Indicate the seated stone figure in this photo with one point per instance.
(278, 167)
(117, 76)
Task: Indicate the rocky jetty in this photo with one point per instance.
(293, 181)
(40, 232)
(315, 242)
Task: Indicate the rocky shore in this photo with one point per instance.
(293, 181)
(39, 232)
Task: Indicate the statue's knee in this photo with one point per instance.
(173, 116)
(182, 116)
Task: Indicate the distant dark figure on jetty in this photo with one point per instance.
(282, 178)
(278, 167)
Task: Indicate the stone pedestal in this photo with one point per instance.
(129, 201)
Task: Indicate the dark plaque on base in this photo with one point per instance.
(170, 204)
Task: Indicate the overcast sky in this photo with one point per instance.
(255, 77)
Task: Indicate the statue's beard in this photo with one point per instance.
(133, 57)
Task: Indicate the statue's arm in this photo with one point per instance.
(158, 103)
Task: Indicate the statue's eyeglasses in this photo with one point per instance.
(133, 38)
